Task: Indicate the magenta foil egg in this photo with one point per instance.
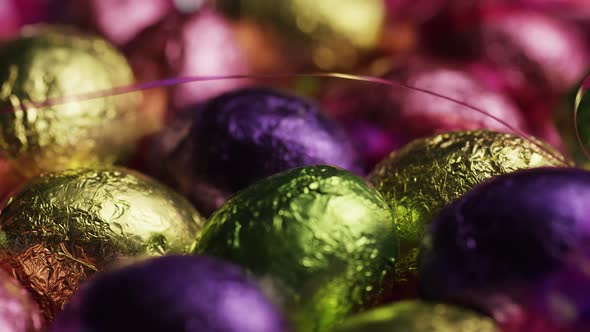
(383, 118)
(425, 114)
(207, 47)
(201, 44)
(18, 312)
(121, 20)
(533, 48)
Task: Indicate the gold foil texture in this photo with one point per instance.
(428, 173)
(62, 227)
(48, 63)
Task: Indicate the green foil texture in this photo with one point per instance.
(61, 228)
(425, 175)
(415, 316)
(321, 238)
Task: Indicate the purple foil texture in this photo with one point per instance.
(238, 138)
(174, 294)
(500, 244)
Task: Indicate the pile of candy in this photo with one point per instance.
(199, 166)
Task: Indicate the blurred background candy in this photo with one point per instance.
(322, 239)
(328, 34)
(49, 62)
(416, 316)
(200, 44)
(18, 312)
(243, 136)
(175, 294)
(500, 244)
(61, 228)
(421, 178)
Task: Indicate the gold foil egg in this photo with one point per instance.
(416, 316)
(428, 173)
(48, 63)
(334, 31)
(62, 227)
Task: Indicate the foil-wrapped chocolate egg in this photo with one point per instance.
(174, 294)
(416, 316)
(243, 136)
(403, 114)
(53, 62)
(505, 239)
(62, 227)
(421, 178)
(552, 66)
(18, 312)
(320, 237)
(120, 21)
(202, 44)
(329, 34)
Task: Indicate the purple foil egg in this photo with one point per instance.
(501, 241)
(173, 294)
(243, 136)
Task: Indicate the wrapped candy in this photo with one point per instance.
(120, 21)
(553, 65)
(174, 294)
(18, 312)
(415, 316)
(61, 228)
(330, 34)
(320, 237)
(504, 240)
(397, 115)
(197, 45)
(243, 136)
(420, 179)
(54, 62)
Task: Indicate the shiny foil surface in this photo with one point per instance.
(515, 246)
(213, 150)
(416, 316)
(420, 179)
(172, 294)
(18, 312)
(62, 227)
(320, 238)
(48, 62)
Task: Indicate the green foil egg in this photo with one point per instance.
(425, 175)
(416, 316)
(320, 237)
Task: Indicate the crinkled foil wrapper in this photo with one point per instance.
(51, 62)
(18, 312)
(320, 238)
(425, 175)
(416, 316)
(63, 227)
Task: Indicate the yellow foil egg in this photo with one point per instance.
(334, 32)
(428, 173)
(47, 63)
(414, 316)
(63, 227)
